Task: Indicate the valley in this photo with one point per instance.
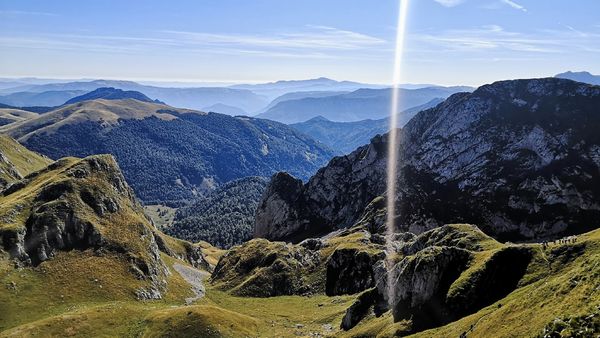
(316, 169)
(170, 155)
(81, 256)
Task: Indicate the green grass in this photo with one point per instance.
(161, 215)
(569, 288)
(555, 285)
(199, 321)
(279, 316)
(20, 159)
(211, 254)
(86, 293)
(61, 298)
(14, 207)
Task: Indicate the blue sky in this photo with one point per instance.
(449, 41)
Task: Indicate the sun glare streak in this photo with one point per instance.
(392, 164)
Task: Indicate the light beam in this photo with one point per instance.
(392, 163)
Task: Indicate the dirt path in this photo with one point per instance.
(195, 278)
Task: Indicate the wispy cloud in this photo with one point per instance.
(495, 38)
(317, 37)
(488, 38)
(514, 5)
(309, 42)
(20, 13)
(449, 3)
(578, 32)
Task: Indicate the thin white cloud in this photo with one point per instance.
(316, 37)
(309, 42)
(514, 5)
(16, 13)
(578, 32)
(449, 3)
(494, 38)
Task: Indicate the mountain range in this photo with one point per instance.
(345, 137)
(46, 98)
(250, 99)
(358, 105)
(234, 99)
(168, 154)
(584, 77)
(300, 95)
(78, 256)
(273, 90)
(519, 158)
(194, 98)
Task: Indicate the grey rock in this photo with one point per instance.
(350, 271)
(515, 157)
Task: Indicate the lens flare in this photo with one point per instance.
(392, 164)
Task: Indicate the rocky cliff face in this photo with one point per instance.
(521, 158)
(83, 205)
(337, 265)
(440, 276)
(333, 198)
(261, 268)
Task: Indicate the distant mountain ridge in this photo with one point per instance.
(358, 105)
(301, 95)
(192, 98)
(584, 77)
(110, 93)
(273, 90)
(170, 154)
(345, 137)
(224, 109)
(49, 98)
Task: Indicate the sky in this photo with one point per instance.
(448, 42)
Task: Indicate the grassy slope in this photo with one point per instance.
(555, 287)
(108, 111)
(161, 215)
(21, 159)
(569, 288)
(61, 297)
(84, 294)
(556, 284)
(211, 254)
(16, 115)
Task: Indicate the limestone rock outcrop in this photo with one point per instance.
(519, 158)
(84, 204)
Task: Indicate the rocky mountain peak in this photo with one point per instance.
(519, 157)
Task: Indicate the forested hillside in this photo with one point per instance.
(171, 155)
(224, 217)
